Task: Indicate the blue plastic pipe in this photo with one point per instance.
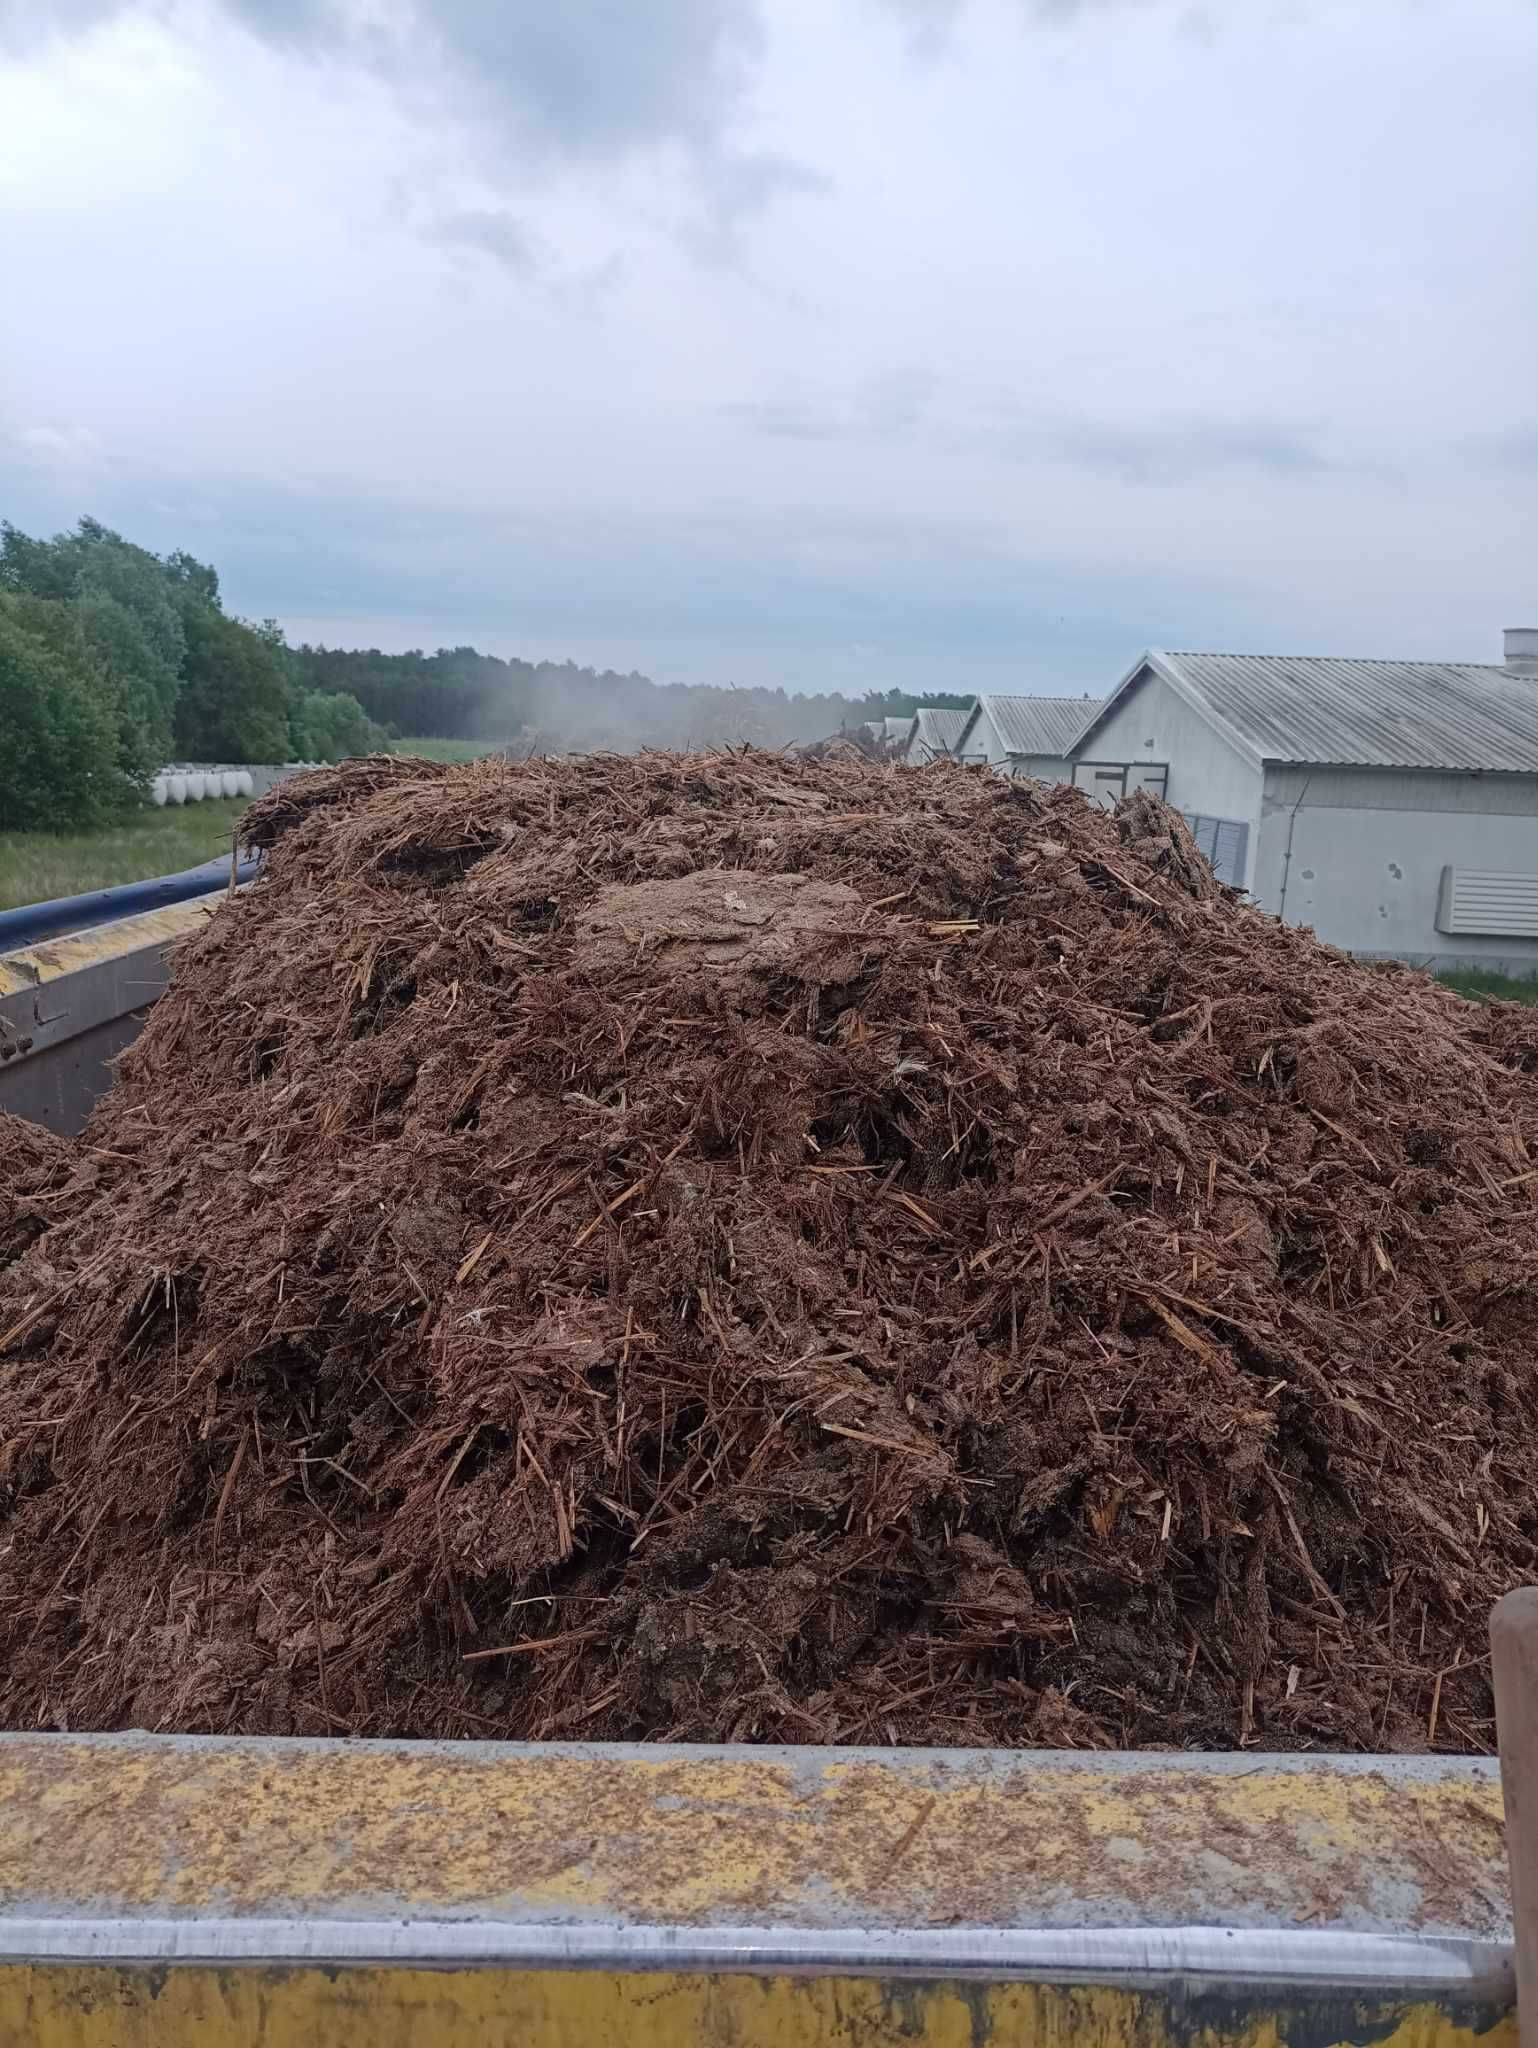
(35, 921)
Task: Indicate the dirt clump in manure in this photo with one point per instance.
(734, 1247)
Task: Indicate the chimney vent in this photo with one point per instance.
(1522, 651)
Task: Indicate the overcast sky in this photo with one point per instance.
(952, 343)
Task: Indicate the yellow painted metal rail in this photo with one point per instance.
(167, 1890)
(69, 1005)
(49, 960)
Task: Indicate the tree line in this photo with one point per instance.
(460, 693)
(114, 661)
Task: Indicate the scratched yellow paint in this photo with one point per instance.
(133, 1823)
(32, 966)
(88, 2006)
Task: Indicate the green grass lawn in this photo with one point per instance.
(1481, 986)
(37, 866)
(447, 750)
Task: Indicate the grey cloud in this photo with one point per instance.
(590, 82)
(585, 294)
(929, 23)
(489, 232)
(802, 595)
(740, 184)
(788, 419)
(1513, 453)
(887, 406)
(26, 25)
(301, 20)
(1171, 452)
(600, 79)
(1198, 22)
(594, 80)
(1070, 10)
(1200, 25)
(893, 406)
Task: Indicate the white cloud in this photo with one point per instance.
(59, 444)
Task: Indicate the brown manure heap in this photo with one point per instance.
(724, 1247)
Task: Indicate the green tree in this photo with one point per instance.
(903, 703)
(233, 704)
(199, 577)
(41, 568)
(59, 752)
(127, 609)
(129, 614)
(331, 726)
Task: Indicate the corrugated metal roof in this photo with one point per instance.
(1038, 725)
(935, 730)
(1336, 711)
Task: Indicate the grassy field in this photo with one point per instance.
(1483, 987)
(37, 866)
(446, 750)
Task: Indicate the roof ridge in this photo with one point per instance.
(1361, 660)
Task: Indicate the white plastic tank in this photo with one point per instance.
(244, 786)
(229, 782)
(158, 791)
(197, 786)
(176, 789)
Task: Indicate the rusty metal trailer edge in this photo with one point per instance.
(70, 1005)
(167, 1889)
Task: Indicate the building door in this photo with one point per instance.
(1107, 782)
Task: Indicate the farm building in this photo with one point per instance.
(886, 735)
(1392, 805)
(1024, 735)
(933, 734)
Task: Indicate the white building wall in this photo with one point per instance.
(1041, 767)
(981, 741)
(1358, 854)
(1206, 775)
